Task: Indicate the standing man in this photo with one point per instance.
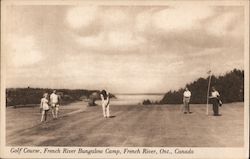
(215, 100)
(54, 100)
(105, 103)
(186, 100)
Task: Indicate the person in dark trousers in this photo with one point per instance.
(215, 100)
(186, 100)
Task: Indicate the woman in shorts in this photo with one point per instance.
(44, 106)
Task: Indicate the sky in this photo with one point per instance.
(124, 49)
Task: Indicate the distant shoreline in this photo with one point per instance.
(139, 93)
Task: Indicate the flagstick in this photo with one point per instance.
(208, 90)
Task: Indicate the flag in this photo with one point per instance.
(209, 72)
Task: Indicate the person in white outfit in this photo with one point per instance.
(44, 107)
(54, 100)
(105, 103)
(186, 100)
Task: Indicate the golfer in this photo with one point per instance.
(44, 107)
(186, 100)
(215, 100)
(54, 100)
(105, 103)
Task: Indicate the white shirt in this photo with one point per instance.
(215, 94)
(187, 94)
(54, 98)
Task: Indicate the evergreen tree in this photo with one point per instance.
(230, 86)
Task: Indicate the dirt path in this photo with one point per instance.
(155, 125)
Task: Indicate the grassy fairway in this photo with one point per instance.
(149, 126)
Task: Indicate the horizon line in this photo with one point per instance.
(158, 93)
(116, 93)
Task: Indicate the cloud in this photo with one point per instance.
(180, 18)
(172, 18)
(124, 40)
(114, 17)
(143, 21)
(122, 48)
(94, 41)
(206, 52)
(110, 40)
(82, 16)
(22, 51)
(173, 28)
(105, 28)
(223, 24)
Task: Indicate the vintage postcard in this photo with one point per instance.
(124, 79)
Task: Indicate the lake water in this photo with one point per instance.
(134, 99)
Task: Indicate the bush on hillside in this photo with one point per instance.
(230, 87)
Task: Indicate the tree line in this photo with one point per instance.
(25, 96)
(229, 85)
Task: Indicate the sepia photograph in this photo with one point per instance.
(123, 79)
